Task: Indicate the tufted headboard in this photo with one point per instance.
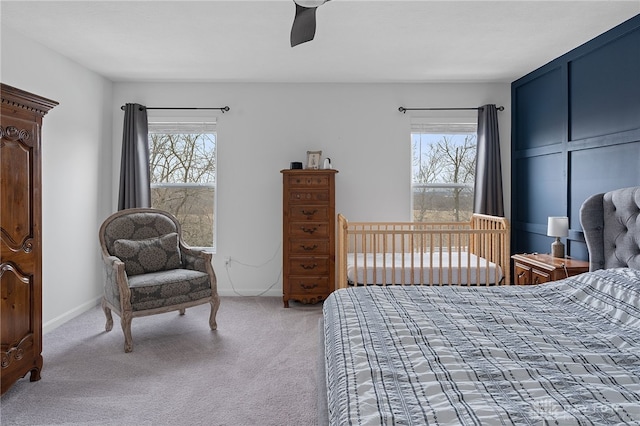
(611, 225)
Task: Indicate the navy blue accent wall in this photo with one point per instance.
(575, 132)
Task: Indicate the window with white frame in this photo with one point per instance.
(443, 169)
(182, 157)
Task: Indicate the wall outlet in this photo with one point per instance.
(227, 260)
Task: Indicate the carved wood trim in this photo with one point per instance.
(15, 353)
(7, 266)
(25, 100)
(25, 245)
(14, 134)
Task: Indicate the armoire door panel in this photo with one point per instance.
(15, 305)
(16, 191)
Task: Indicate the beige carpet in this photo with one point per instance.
(258, 368)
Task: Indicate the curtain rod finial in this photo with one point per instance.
(402, 110)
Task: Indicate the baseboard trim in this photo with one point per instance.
(69, 315)
(276, 292)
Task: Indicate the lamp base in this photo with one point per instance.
(557, 248)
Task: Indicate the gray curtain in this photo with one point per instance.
(135, 186)
(488, 186)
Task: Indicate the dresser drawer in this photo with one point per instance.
(308, 196)
(522, 274)
(308, 265)
(309, 284)
(315, 181)
(318, 213)
(309, 247)
(308, 230)
(539, 277)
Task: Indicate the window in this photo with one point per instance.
(443, 172)
(182, 158)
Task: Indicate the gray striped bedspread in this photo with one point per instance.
(566, 352)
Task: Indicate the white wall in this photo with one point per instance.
(76, 171)
(270, 125)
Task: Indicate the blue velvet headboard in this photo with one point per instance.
(611, 225)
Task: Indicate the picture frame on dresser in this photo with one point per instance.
(313, 159)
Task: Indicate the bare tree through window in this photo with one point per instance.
(183, 179)
(443, 176)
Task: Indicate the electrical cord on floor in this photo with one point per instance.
(227, 266)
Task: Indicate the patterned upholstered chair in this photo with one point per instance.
(150, 270)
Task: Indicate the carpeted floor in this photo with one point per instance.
(258, 368)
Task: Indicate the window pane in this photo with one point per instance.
(193, 206)
(443, 176)
(183, 179)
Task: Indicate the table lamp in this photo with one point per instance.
(557, 226)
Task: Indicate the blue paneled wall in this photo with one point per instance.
(575, 132)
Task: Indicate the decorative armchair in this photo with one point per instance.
(150, 270)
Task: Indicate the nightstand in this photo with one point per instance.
(537, 268)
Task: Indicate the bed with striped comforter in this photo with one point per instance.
(566, 352)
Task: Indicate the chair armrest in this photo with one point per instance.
(200, 260)
(195, 259)
(116, 284)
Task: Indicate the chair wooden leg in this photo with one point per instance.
(215, 304)
(107, 313)
(125, 321)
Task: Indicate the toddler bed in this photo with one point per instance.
(431, 253)
(566, 352)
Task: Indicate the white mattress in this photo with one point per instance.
(387, 268)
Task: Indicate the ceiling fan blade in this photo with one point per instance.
(304, 25)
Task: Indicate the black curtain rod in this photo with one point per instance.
(404, 110)
(223, 109)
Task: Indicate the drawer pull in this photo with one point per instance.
(309, 230)
(308, 267)
(308, 286)
(309, 212)
(308, 248)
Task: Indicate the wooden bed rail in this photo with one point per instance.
(404, 251)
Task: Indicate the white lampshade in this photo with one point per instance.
(558, 226)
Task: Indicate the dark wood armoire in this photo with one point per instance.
(21, 234)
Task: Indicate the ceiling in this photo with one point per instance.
(356, 40)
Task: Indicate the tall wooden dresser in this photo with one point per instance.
(20, 234)
(308, 247)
